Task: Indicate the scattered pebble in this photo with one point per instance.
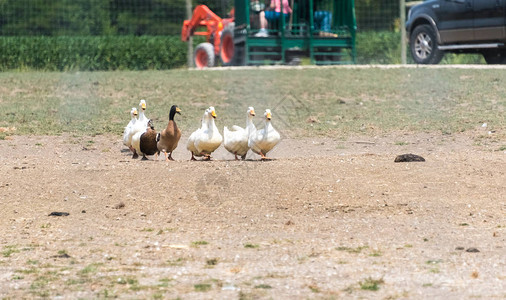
(408, 158)
(472, 250)
(119, 205)
(63, 255)
(59, 214)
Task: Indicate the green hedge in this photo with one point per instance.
(384, 47)
(92, 53)
(159, 52)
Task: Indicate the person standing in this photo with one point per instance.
(272, 14)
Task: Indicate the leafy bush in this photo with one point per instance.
(384, 47)
(378, 47)
(92, 53)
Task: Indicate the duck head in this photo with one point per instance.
(173, 111)
(212, 111)
(268, 114)
(142, 105)
(251, 111)
(134, 112)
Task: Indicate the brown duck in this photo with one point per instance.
(167, 140)
(145, 142)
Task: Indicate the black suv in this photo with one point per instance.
(459, 26)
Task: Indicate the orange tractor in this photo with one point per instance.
(219, 35)
(323, 31)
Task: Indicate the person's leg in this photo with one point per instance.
(317, 20)
(327, 18)
(263, 25)
(263, 20)
(273, 17)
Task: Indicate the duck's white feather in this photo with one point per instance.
(190, 145)
(127, 133)
(236, 140)
(262, 141)
(209, 138)
(142, 116)
(136, 141)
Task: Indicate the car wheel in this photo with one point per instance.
(424, 46)
(204, 55)
(495, 56)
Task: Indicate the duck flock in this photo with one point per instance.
(141, 137)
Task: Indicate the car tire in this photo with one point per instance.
(424, 46)
(204, 56)
(495, 56)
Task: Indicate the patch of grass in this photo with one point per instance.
(427, 285)
(251, 246)
(352, 250)
(164, 282)
(199, 243)
(133, 283)
(148, 230)
(502, 148)
(263, 286)
(401, 143)
(433, 262)
(408, 246)
(78, 281)
(370, 284)
(90, 269)
(374, 100)
(176, 262)
(28, 271)
(9, 250)
(463, 224)
(107, 294)
(376, 253)
(202, 287)
(42, 281)
(212, 262)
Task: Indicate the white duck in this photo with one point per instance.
(262, 141)
(236, 140)
(127, 133)
(190, 145)
(142, 117)
(206, 139)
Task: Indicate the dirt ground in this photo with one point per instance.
(327, 218)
